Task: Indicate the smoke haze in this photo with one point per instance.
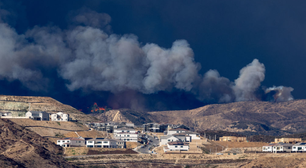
(89, 58)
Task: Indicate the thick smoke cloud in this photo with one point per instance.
(249, 80)
(90, 59)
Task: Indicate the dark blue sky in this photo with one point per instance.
(224, 35)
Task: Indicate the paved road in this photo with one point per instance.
(145, 148)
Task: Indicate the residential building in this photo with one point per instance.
(104, 143)
(268, 148)
(288, 140)
(126, 134)
(299, 147)
(109, 126)
(176, 146)
(176, 130)
(37, 115)
(232, 139)
(193, 135)
(282, 147)
(71, 142)
(164, 140)
(59, 117)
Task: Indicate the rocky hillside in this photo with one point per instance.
(20, 147)
(252, 117)
(19, 105)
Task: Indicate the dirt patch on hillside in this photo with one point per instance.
(26, 148)
(240, 144)
(96, 152)
(50, 128)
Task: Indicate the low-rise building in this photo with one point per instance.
(37, 115)
(299, 147)
(104, 143)
(176, 131)
(71, 142)
(126, 134)
(232, 139)
(59, 117)
(164, 140)
(288, 140)
(268, 148)
(176, 146)
(282, 147)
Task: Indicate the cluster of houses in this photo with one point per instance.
(38, 115)
(178, 139)
(285, 145)
(122, 132)
(91, 142)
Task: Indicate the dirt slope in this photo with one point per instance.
(21, 104)
(254, 116)
(20, 147)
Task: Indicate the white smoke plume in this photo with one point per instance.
(282, 93)
(249, 80)
(88, 58)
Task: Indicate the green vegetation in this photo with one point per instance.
(58, 123)
(59, 135)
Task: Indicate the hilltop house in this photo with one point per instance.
(126, 134)
(71, 142)
(282, 147)
(176, 130)
(176, 146)
(37, 115)
(59, 117)
(232, 139)
(299, 147)
(268, 148)
(288, 140)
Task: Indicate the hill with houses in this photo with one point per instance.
(252, 117)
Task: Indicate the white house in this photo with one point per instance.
(299, 147)
(175, 137)
(71, 142)
(126, 134)
(59, 117)
(104, 143)
(176, 146)
(176, 130)
(37, 115)
(282, 147)
(193, 135)
(268, 148)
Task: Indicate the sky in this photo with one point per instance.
(223, 35)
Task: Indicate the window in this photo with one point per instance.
(128, 139)
(105, 142)
(181, 146)
(58, 141)
(169, 140)
(128, 135)
(89, 141)
(175, 146)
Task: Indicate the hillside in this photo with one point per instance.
(254, 117)
(21, 147)
(19, 105)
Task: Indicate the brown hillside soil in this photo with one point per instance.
(253, 116)
(241, 144)
(27, 149)
(49, 128)
(48, 104)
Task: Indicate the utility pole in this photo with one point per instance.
(215, 137)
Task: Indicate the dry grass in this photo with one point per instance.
(131, 145)
(49, 128)
(240, 144)
(76, 151)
